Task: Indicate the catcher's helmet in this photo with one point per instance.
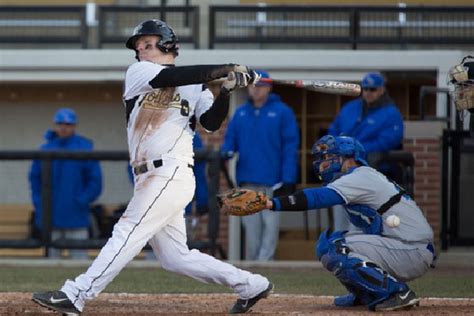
(340, 147)
(168, 40)
(461, 79)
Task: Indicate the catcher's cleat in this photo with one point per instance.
(348, 300)
(243, 306)
(397, 301)
(56, 301)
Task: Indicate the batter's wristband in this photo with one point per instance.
(224, 91)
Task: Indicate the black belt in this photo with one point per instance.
(144, 167)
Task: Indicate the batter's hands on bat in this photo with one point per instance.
(252, 75)
(236, 80)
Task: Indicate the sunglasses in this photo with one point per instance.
(67, 124)
(370, 89)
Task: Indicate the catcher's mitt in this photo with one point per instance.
(241, 202)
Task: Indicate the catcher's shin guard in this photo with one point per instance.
(370, 283)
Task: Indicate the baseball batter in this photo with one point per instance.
(163, 103)
(393, 244)
(461, 82)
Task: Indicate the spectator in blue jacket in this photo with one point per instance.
(375, 121)
(75, 183)
(264, 133)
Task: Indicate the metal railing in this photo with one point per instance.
(353, 25)
(348, 25)
(116, 23)
(213, 159)
(43, 24)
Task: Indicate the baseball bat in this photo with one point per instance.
(324, 86)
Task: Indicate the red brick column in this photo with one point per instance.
(427, 153)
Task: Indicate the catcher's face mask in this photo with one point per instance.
(326, 162)
(461, 83)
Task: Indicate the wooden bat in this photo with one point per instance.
(324, 86)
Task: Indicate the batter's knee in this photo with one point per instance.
(174, 261)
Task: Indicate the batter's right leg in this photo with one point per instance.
(152, 206)
(174, 255)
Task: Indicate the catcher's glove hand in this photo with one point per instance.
(241, 202)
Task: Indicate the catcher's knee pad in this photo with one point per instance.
(370, 283)
(327, 241)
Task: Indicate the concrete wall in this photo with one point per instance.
(27, 112)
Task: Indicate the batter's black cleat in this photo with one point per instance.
(243, 306)
(56, 301)
(397, 301)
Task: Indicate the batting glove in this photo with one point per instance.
(235, 80)
(251, 74)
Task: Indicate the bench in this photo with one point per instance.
(15, 224)
(14, 221)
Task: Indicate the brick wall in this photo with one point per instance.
(427, 153)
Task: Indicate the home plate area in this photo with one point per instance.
(218, 304)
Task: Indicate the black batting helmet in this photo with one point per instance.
(461, 81)
(458, 74)
(168, 40)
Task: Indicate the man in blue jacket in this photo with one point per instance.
(264, 132)
(75, 183)
(375, 121)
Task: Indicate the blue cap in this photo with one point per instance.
(373, 80)
(65, 116)
(264, 74)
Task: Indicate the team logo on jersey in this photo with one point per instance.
(163, 99)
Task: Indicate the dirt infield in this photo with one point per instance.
(217, 304)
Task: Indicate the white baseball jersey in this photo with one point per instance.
(367, 187)
(159, 123)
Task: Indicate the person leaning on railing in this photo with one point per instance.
(75, 184)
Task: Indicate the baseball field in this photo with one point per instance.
(146, 289)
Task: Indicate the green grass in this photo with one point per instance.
(444, 283)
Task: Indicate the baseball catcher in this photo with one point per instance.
(393, 243)
(461, 82)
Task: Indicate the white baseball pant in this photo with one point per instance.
(156, 214)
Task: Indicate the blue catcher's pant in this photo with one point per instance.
(370, 283)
